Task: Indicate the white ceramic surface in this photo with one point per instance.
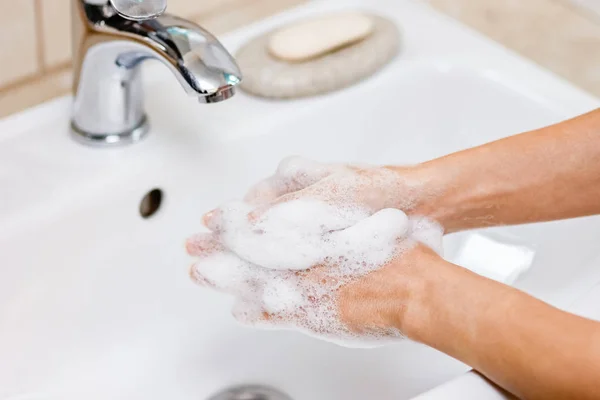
(95, 301)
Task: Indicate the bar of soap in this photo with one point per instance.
(312, 38)
(271, 77)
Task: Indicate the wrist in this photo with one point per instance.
(415, 189)
(430, 273)
(444, 193)
(393, 297)
(451, 306)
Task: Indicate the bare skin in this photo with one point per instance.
(527, 347)
(547, 174)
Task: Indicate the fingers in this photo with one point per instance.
(388, 223)
(220, 218)
(292, 235)
(279, 301)
(289, 236)
(372, 241)
(277, 292)
(259, 211)
(302, 172)
(226, 272)
(227, 216)
(265, 191)
(203, 244)
(282, 294)
(293, 174)
(210, 220)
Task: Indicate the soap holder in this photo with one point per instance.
(268, 76)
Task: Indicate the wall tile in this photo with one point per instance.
(591, 5)
(56, 31)
(18, 52)
(35, 91)
(242, 12)
(552, 33)
(194, 7)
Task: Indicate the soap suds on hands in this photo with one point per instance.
(286, 265)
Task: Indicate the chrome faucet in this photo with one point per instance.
(108, 48)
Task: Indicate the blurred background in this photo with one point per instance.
(561, 35)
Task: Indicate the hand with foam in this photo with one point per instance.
(344, 297)
(298, 209)
(312, 240)
(370, 187)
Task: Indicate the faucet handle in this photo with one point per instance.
(139, 9)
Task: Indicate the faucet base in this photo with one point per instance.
(114, 139)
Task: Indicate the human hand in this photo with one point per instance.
(371, 187)
(311, 243)
(357, 300)
(304, 203)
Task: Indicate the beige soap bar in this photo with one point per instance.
(309, 39)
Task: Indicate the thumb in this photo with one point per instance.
(372, 241)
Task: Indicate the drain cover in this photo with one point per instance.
(250, 392)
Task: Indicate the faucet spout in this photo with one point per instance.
(108, 52)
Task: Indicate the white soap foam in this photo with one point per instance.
(305, 172)
(281, 295)
(371, 187)
(225, 271)
(267, 266)
(428, 232)
(294, 235)
(293, 174)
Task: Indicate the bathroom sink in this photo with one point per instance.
(95, 300)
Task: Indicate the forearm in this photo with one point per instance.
(547, 174)
(522, 344)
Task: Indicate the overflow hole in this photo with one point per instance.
(150, 203)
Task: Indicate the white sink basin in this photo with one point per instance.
(95, 301)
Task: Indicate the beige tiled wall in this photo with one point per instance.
(561, 35)
(55, 31)
(18, 52)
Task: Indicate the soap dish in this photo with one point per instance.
(268, 76)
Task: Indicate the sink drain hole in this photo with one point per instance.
(250, 392)
(150, 203)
